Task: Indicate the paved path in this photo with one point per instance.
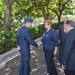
(38, 66)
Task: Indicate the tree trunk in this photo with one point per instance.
(7, 26)
(46, 17)
(59, 18)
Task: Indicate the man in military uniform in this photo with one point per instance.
(24, 40)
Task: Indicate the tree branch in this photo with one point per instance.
(53, 10)
(66, 2)
(63, 6)
(9, 3)
(53, 17)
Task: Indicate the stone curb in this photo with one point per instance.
(12, 54)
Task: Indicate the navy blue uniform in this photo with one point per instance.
(50, 41)
(68, 51)
(24, 40)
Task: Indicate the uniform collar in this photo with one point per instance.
(48, 30)
(26, 27)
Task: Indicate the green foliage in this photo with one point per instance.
(7, 40)
(56, 25)
(2, 10)
(37, 31)
(34, 32)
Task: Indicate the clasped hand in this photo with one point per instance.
(39, 43)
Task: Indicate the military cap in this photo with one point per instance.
(28, 20)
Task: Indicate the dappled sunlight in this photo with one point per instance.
(43, 65)
(58, 64)
(60, 71)
(2, 65)
(33, 70)
(33, 52)
(7, 69)
(7, 73)
(36, 60)
(32, 56)
(40, 47)
(55, 58)
(38, 64)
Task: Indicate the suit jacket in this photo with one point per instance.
(24, 40)
(50, 40)
(61, 34)
(68, 50)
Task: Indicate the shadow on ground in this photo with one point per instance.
(38, 65)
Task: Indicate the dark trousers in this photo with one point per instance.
(25, 65)
(69, 72)
(49, 55)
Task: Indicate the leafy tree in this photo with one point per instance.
(70, 8)
(26, 9)
(7, 26)
(43, 6)
(58, 6)
(48, 9)
(52, 8)
(2, 9)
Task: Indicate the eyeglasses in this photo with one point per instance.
(46, 24)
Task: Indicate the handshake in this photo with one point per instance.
(39, 43)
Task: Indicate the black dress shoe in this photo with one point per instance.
(50, 74)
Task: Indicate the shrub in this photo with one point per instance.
(7, 40)
(56, 25)
(37, 31)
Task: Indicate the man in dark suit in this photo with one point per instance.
(61, 32)
(68, 49)
(24, 40)
(61, 35)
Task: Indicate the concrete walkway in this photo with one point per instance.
(38, 65)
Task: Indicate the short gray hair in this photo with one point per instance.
(71, 23)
